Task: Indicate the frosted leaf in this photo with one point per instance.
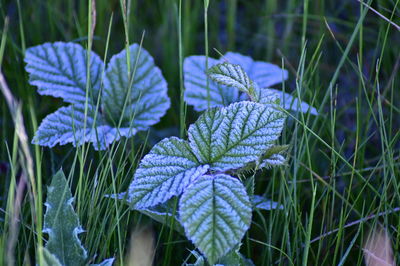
(244, 133)
(262, 203)
(66, 125)
(163, 173)
(59, 70)
(215, 212)
(146, 94)
(231, 75)
(62, 225)
(204, 133)
(273, 160)
(195, 81)
(263, 73)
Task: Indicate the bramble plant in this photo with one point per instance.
(119, 100)
(215, 208)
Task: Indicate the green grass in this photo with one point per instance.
(342, 178)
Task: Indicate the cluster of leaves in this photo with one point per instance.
(238, 131)
(62, 225)
(106, 103)
(214, 206)
(203, 94)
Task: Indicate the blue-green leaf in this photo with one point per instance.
(144, 90)
(163, 173)
(263, 73)
(62, 224)
(229, 138)
(215, 212)
(60, 70)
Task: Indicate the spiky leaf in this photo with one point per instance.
(215, 212)
(195, 79)
(62, 224)
(242, 133)
(139, 97)
(163, 173)
(60, 70)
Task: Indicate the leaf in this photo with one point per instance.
(145, 91)
(62, 224)
(243, 134)
(163, 173)
(262, 203)
(263, 73)
(215, 212)
(289, 102)
(67, 125)
(195, 81)
(273, 157)
(60, 70)
(233, 76)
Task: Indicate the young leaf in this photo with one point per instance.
(60, 70)
(246, 130)
(195, 81)
(263, 73)
(233, 76)
(215, 212)
(163, 173)
(144, 91)
(62, 224)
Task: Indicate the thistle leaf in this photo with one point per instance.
(60, 70)
(195, 81)
(62, 224)
(215, 212)
(240, 133)
(144, 91)
(163, 173)
(233, 76)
